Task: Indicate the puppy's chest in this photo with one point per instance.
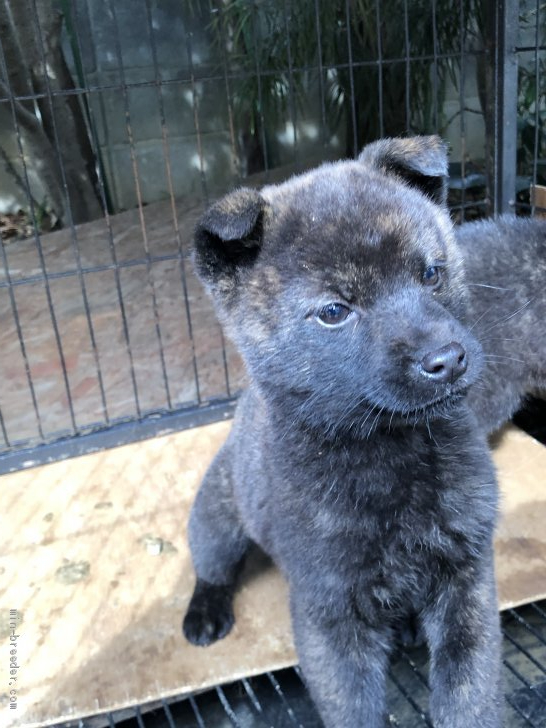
(385, 513)
(391, 511)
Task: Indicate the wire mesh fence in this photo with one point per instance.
(120, 121)
(531, 107)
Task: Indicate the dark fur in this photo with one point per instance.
(505, 262)
(367, 479)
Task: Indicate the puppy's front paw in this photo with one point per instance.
(210, 613)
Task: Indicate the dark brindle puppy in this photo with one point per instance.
(505, 263)
(354, 459)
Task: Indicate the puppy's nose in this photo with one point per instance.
(445, 364)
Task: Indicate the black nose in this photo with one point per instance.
(445, 364)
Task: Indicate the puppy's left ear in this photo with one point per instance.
(419, 161)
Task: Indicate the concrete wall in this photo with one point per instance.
(184, 105)
(128, 125)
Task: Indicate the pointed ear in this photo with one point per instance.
(420, 161)
(229, 234)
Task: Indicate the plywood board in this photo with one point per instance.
(520, 544)
(95, 561)
(538, 198)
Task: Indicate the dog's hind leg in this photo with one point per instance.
(218, 545)
(463, 633)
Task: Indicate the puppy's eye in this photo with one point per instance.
(432, 276)
(333, 314)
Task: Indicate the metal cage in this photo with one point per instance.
(106, 335)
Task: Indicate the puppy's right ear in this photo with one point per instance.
(229, 235)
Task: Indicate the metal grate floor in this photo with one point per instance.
(280, 700)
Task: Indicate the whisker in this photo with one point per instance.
(507, 318)
(477, 321)
(496, 288)
(374, 423)
(498, 338)
(501, 357)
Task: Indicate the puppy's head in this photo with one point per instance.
(343, 287)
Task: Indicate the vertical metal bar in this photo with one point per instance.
(435, 66)
(522, 679)
(379, 67)
(276, 686)
(138, 715)
(291, 96)
(408, 69)
(524, 623)
(128, 124)
(13, 101)
(167, 158)
(74, 235)
(252, 696)
(299, 673)
(13, 302)
(260, 89)
(527, 654)
(351, 75)
(226, 71)
(227, 707)
(4, 432)
(324, 126)
(424, 717)
(537, 95)
(539, 610)
(196, 712)
(505, 17)
(236, 161)
(224, 361)
(111, 242)
(196, 121)
(520, 712)
(195, 102)
(415, 669)
(104, 186)
(166, 709)
(462, 119)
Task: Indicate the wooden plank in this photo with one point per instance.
(96, 562)
(520, 545)
(538, 198)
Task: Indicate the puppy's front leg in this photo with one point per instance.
(463, 633)
(218, 544)
(344, 664)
